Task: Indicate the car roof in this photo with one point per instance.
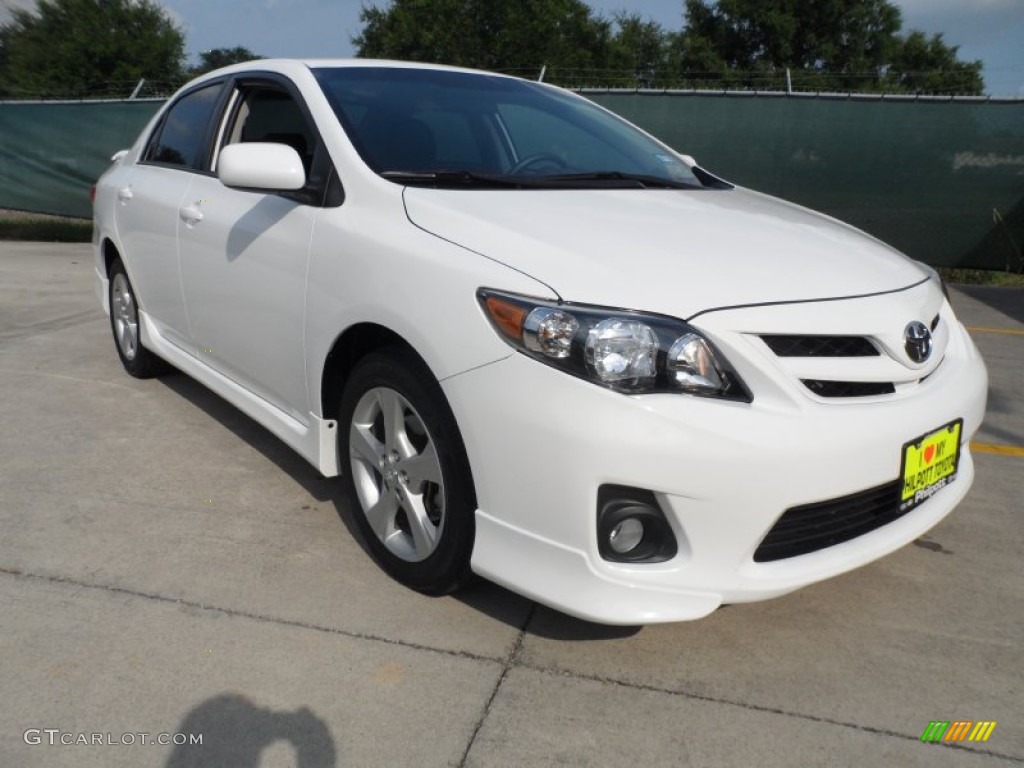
(285, 65)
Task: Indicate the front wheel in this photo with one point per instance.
(408, 479)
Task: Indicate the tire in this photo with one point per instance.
(124, 324)
(405, 472)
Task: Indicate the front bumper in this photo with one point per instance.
(541, 443)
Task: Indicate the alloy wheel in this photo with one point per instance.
(397, 474)
(126, 318)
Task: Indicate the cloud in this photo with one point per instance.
(972, 7)
(6, 6)
(977, 22)
(177, 18)
(989, 30)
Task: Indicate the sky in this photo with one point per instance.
(989, 30)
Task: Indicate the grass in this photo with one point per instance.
(955, 275)
(15, 225)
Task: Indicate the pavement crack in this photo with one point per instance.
(64, 580)
(63, 377)
(511, 660)
(557, 672)
(50, 326)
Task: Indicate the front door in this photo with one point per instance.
(244, 257)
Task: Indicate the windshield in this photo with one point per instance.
(456, 128)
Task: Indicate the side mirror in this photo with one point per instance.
(262, 166)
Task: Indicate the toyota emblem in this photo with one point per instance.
(918, 341)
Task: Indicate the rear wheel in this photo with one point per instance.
(124, 323)
(406, 472)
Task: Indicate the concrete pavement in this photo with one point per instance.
(168, 566)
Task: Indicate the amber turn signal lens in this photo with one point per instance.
(507, 316)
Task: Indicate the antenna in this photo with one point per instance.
(542, 71)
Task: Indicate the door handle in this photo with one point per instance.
(124, 194)
(190, 214)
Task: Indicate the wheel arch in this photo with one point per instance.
(110, 253)
(351, 346)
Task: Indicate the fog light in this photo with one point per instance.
(631, 527)
(626, 535)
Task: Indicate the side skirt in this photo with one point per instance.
(316, 442)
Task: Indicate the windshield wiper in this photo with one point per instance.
(589, 180)
(451, 179)
(616, 179)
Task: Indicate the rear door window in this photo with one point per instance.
(181, 138)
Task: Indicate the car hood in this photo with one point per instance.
(676, 252)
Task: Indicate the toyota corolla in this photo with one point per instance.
(537, 344)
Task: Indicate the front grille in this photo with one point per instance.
(820, 346)
(811, 527)
(848, 388)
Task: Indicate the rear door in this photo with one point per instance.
(148, 199)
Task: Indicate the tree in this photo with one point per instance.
(522, 35)
(930, 66)
(841, 45)
(826, 45)
(642, 49)
(77, 48)
(215, 58)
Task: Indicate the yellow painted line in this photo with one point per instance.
(1006, 331)
(1002, 450)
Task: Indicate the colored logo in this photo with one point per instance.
(958, 730)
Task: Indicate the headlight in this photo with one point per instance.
(622, 352)
(550, 332)
(627, 351)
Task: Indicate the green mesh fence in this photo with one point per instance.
(941, 181)
(51, 153)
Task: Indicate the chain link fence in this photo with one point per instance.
(940, 179)
(51, 153)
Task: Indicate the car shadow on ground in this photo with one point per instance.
(486, 597)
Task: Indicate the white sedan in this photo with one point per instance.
(537, 344)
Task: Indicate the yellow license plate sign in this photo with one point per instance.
(929, 464)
